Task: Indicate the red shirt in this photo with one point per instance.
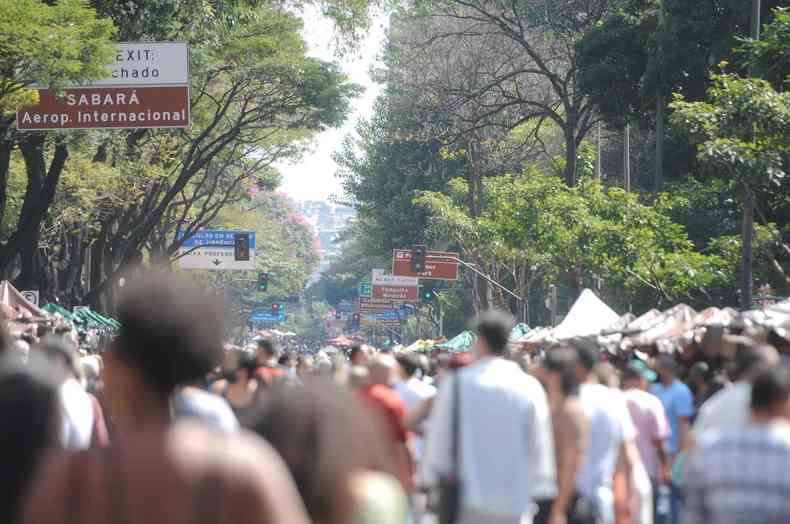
(389, 403)
(386, 401)
(269, 375)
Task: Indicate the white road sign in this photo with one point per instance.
(216, 259)
(147, 64)
(31, 296)
(383, 277)
(216, 250)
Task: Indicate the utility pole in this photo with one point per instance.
(661, 101)
(747, 236)
(598, 156)
(627, 157)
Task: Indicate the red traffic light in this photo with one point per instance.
(275, 308)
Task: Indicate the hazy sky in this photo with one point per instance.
(313, 178)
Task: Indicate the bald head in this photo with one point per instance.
(382, 370)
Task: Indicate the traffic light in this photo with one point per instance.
(241, 246)
(276, 308)
(427, 296)
(263, 281)
(355, 318)
(418, 258)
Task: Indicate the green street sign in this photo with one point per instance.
(365, 289)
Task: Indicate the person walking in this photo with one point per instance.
(610, 445)
(570, 434)
(738, 474)
(496, 418)
(157, 471)
(678, 402)
(414, 392)
(385, 402)
(731, 405)
(651, 425)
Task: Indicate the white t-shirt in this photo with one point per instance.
(77, 410)
(609, 426)
(725, 409)
(414, 392)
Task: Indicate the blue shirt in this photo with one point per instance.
(678, 402)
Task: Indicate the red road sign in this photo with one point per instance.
(108, 108)
(438, 265)
(397, 293)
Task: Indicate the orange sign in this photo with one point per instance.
(397, 293)
(439, 265)
(108, 108)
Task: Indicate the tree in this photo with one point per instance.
(635, 59)
(534, 75)
(741, 132)
(382, 167)
(51, 46)
(534, 230)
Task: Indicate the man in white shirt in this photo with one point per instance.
(413, 391)
(610, 443)
(730, 406)
(505, 448)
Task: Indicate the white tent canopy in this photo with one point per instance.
(588, 316)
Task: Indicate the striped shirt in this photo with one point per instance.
(740, 476)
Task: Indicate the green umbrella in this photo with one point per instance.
(56, 309)
(459, 343)
(519, 331)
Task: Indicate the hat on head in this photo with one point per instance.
(640, 368)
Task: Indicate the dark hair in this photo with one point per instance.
(587, 357)
(355, 350)
(247, 362)
(494, 328)
(170, 330)
(269, 346)
(771, 386)
(410, 363)
(629, 374)
(29, 409)
(750, 359)
(325, 435)
(43, 330)
(563, 362)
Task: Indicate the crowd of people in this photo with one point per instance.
(168, 423)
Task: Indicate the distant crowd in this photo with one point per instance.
(169, 424)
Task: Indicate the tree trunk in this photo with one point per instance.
(747, 237)
(39, 194)
(6, 146)
(660, 116)
(29, 278)
(570, 153)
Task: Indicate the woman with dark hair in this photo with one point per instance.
(336, 451)
(29, 409)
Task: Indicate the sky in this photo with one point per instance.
(313, 177)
